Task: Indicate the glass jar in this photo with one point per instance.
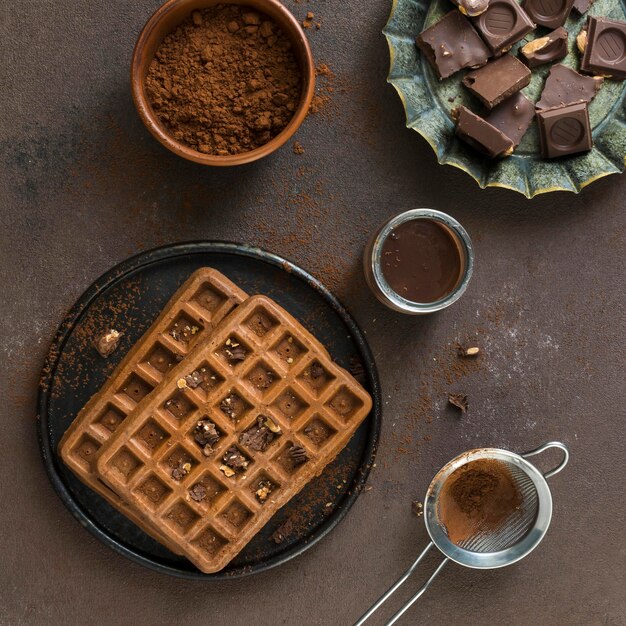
(373, 268)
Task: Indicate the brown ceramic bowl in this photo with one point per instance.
(164, 21)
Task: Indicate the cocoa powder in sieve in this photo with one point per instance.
(479, 495)
(226, 81)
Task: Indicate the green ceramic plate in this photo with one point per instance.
(427, 102)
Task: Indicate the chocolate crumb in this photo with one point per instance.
(417, 508)
(107, 343)
(234, 459)
(234, 351)
(264, 489)
(179, 472)
(206, 436)
(198, 492)
(357, 369)
(283, 531)
(298, 455)
(232, 405)
(194, 379)
(257, 437)
(298, 148)
(459, 400)
(467, 351)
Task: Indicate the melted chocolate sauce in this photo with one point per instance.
(421, 260)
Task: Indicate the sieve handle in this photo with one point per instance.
(397, 584)
(545, 446)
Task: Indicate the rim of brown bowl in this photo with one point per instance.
(163, 22)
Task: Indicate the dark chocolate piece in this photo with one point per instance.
(107, 343)
(481, 135)
(513, 117)
(566, 86)
(582, 6)
(552, 47)
(452, 44)
(498, 80)
(548, 13)
(605, 50)
(564, 130)
(502, 24)
(471, 7)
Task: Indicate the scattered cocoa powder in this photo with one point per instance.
(226, 81)
(479, 495)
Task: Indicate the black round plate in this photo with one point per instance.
(128, 298)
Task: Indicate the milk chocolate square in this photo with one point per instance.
(552, 47)
(452, 44)
(497, 80)
(548, 13)
(566, 86)
(564, 130)
(513, 117)
(480, 134)
(605, 52)
(502, 24)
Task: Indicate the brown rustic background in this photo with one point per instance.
(83, 185)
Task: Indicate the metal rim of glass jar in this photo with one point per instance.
(392, 299)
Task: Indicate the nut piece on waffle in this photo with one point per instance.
(209, 467)
(192, 313)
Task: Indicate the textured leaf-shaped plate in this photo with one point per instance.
(428, 101)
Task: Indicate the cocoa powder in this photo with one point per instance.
(226, 81)
(479, 495)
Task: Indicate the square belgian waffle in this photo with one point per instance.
(209, 467)
(205, 298)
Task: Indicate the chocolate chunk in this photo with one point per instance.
(206, 436)
(283, 531)
(452, 44)
(257, 437)
(357, 369)
(566, 86)
(234, 351)
(548, 13)
(107, 343)
(564, 130)
(234, 459)
(605, 52)
(497, 80)
(233, 406)
(552, 47)
(471, 7)
(459, 400)
(298, 455)
(181, 470)
(194, 380)
(198, 492)
(512, 118)
(481, 135)
(263, 490)
(582, 6)
(502, 24)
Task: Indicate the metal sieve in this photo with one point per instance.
(509, 542)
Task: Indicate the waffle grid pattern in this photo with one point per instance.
(201, 303)
(316, 404)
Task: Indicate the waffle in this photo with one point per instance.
(192, 312)
(211, 489)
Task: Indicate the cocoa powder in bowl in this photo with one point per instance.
(225, 81)
(479, 495)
